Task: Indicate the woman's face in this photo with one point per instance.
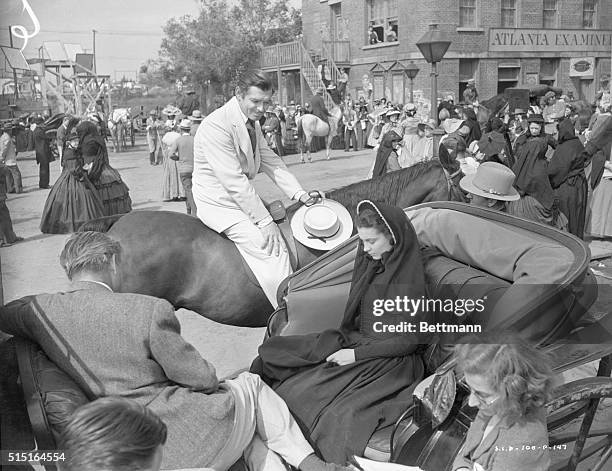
(375, 243)
(482, 394)
(534, 129)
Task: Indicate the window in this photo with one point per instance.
(548, 71)
(467, 70)
(382, 21)
(549, 14)
(589, 13)
(467, 13)
(379, 86)
(508, 14)
(507, 76)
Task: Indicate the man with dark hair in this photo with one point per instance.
(229, 151)
(113, 434)
(43, 154)
(130, 345)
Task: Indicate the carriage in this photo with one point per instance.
(535, 279)
(521, 267)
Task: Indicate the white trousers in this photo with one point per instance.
(268, 269)
(264, 430)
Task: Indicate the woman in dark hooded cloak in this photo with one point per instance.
(343, 384)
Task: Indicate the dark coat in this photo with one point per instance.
(567, 177)
(319, 109)
(42, 147)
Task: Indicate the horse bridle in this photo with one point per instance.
(450, 182)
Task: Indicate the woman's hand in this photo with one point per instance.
(87, 167)
(345, 356)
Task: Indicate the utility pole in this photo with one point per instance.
(16, 87)
(94, 51)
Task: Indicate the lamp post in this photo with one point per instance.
(411, 71)
(433, 45)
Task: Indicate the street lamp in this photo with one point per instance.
(411, 71)
(433, 45)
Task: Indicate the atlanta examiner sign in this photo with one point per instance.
(549, 40)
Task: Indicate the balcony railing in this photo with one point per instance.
(281, 54)
(287, 54)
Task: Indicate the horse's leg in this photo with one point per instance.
(328, 141)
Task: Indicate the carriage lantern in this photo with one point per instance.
(411, 71)
(433, 45)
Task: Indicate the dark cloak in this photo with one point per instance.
(472, 122)
(531, 168)
(384, 150)
(567, 177)
(339, 407)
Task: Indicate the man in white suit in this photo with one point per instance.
(229, 151)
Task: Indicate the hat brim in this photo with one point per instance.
(344, 233)
(467, 184)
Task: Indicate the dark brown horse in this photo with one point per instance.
(176, 257)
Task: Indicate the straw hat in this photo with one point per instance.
(196, 115)
(392, 112)
(152, 112)
(322, 226)
(491, 180)
(535, 118)
(185, 124)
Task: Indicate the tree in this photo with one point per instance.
(221, 42)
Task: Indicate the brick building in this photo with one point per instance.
(499, 43)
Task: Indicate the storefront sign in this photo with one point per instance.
(583, 67)
(549, 40)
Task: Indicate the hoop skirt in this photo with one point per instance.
(114, 193)
(73, 200)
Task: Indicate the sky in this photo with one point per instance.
(129, 31)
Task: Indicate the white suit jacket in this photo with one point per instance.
(223, 165)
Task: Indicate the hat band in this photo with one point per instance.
(491, 191)
(322, 238)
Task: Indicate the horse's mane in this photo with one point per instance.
(495, 104)
(388, 187)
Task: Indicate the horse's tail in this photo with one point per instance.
(100, 224)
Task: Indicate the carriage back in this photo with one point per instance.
(531, 278)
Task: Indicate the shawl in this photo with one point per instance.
(399, 273)
(531, 169)
(568, 159)
(382, 156)
(92, 148)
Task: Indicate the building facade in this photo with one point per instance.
(499, 43)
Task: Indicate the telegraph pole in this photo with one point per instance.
(94, 51)
(16, 87)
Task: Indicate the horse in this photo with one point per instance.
(310, 126)
(117, 130)
(493, 107)
(176, 257)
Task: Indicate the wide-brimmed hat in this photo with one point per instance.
(185, 124)
(171, 110)
(410, 107)
(451, 125)
(320, 90)
(549, 94)
(471, 80)
(519, 111)
(491, 180)
(196, 115)
(392, 112)
(322, 226)
(152, 112)
(535, 118)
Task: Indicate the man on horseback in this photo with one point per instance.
(229, 150)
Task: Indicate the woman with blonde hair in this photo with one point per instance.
(510, 383)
